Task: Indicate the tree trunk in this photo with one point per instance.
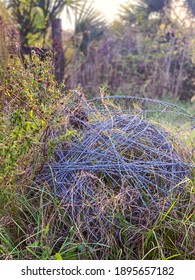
(59, 57)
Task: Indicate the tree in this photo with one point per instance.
(152, 6)
(59, 57)
(29, 18)
(90, 23)
(34, 18)
(142, 9)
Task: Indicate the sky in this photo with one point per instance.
(109, 9)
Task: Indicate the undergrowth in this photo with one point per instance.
(38, 227)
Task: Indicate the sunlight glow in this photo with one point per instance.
(109, 9)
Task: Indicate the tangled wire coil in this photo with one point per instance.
(120, 159)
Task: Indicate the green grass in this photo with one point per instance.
(39, 227)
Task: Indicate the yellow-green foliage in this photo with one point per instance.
(28, 98)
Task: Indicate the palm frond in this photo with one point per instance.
(89, 19)
(142, 8)
(130, 12)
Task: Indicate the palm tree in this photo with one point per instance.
(34, 18)
(25, 13)
(142, 9)
(90, 23)
(152, 6)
